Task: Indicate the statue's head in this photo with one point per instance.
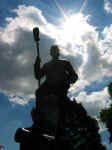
(54, 51)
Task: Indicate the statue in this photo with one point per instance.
(58, 123)
(59, 75)
(80, 132)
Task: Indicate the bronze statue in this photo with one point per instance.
(58, 123)
(59, 75)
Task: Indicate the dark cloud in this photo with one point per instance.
(17, 61)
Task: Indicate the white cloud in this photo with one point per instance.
(79, 43)
(106, 50)
(108, 6)
(93, 67)
(78, 87)
(22, 100)
(18, 52)
(94, 102)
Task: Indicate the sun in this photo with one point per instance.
(74, 27)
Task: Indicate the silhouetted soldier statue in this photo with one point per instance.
(59, 75)
(55, 113)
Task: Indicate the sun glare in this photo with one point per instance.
(74, 28)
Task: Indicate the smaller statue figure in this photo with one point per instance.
(33, 137)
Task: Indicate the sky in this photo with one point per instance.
(83, 31)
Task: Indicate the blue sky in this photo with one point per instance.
(83, 31)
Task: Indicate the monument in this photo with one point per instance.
(58, 122)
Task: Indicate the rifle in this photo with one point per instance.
(37, 39)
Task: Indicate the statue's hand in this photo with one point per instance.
(38, 60)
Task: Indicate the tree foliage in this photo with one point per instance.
(110, 90)
(106, 114)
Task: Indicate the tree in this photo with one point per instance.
(106, 114)
(110, 90)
